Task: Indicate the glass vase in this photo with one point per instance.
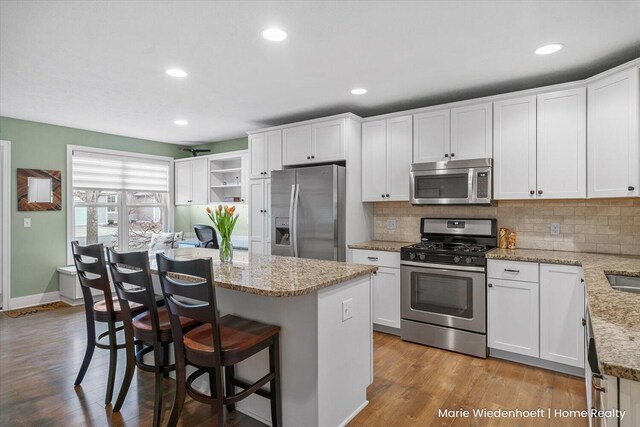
(226, 251)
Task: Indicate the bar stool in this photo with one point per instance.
(221, 342)
(92, 273)
(132, 279)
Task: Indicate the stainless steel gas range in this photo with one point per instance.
(443, 285)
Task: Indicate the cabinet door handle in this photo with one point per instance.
(584, 322)
(372, 258)
(532, 192)
(313, 157)
(539, 191)
(510, 270)
(596, 386)
(446, 155)
(387, 196)
(490, 285)
(382, 196)
(453, 155)
(631, 188)
(308, 157)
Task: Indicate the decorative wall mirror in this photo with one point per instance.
(39, 190)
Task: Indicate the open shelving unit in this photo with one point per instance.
(227, 178)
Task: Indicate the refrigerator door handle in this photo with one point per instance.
(294, 227)
(292, 233)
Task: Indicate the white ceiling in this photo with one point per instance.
(100, 65)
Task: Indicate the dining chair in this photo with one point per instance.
(149, 331)
(92, 274)
(218, 344)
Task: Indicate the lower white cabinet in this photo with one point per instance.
(536, 310)
(386, 286)
(260, 216)
(562, 314)
(512, 320)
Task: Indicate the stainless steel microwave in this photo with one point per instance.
(456, 182)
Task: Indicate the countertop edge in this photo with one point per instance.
(380, 245)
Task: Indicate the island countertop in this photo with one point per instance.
(271, 275)
(615, 315)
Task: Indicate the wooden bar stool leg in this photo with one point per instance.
(91, 346)
(222, 413)
(274, 366)
(131, 365)
(160, 360)
(181, 391)
(229, 376)
(113, 360)
(165, 356)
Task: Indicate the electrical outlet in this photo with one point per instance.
(26, 223)
(555, 229)
(347, 309)
(391, 224)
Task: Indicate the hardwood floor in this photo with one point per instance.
(41, 354)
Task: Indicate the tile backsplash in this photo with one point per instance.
(596, 225)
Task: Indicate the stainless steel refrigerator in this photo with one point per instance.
(308, 212)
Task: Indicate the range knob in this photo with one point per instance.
(422, 257)
(456, 259)
(468, 260)
(412, 256)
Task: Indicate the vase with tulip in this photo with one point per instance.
(224, 220)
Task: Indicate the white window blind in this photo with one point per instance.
(108, 172)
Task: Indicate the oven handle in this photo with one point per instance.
(443, 266)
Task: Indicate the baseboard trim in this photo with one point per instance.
(538, 363)
(354, 413)
(252, 414)
(31, 300)
(386, 329)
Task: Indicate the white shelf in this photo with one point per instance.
(230, 170)
(227, 186)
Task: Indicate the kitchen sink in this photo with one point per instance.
(624, 283)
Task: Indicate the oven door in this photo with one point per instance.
(442, 186)
(442, 296)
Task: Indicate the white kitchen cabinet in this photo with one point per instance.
(386, 286)
(431, 136)
(514, 148)
(265, 153)
(472, 132)
(562, 314)
(512, 319)
(386, 159)
(318, 142)
(562, 145)
(191, 181)
(614, 136)
(457, 134)
(630, 402)
(259, 216)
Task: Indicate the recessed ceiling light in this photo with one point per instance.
(176, 72)
(274, 34)
(358, 91)
(181, 122)
(550, 48)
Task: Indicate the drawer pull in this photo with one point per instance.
(372, 258)
(490, 285)
(510, 270)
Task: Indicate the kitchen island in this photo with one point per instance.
(326, 343)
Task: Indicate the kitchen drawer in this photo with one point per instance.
(512, 270)
(379, 258)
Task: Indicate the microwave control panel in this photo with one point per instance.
(482, 191)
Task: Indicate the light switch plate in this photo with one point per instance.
(26, 223)
(347, 309)
(555, 229)
(391, 224)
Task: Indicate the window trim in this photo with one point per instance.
(120, 204)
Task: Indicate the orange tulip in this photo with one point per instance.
(208, 209)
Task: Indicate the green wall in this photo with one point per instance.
(37, 251)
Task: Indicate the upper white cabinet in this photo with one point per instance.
(265, 153)
(613, 137)
(457, 133)
(561, 314)
(514, 148)
(191, 181)
(472, 132)
(386, 159)
(314, 143)
(562, 145)
(540, 146)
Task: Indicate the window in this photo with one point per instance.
(119, 199)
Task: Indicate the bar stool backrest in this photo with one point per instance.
(92, 273)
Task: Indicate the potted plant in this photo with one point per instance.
(224, 221)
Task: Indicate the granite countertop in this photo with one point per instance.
(269, 275)
(380, 245)
(615, 315)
